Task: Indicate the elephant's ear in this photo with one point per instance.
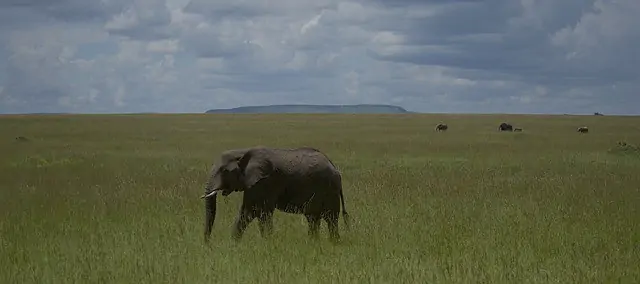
(254, 167)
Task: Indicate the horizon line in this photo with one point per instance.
(314, 113)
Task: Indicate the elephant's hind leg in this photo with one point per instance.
(331, 217)
(314, 225)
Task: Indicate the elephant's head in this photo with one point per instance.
(228, 175)
(225, 177)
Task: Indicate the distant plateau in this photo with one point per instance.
(359, 108)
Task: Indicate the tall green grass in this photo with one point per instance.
(115, 199)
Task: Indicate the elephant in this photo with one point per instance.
(295, 180)
(441, 127)
(583, 129)
(505, 127)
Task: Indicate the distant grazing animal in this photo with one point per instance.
(441, 127)
(505, 127)
(22, 139)
(299, 181)
(583, 129)
(517, 129)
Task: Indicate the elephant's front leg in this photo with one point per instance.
(265, 215)
(245, 216)
(265, 221)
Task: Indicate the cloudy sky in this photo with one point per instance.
(534, 56)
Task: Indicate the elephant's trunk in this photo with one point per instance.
(210, 209)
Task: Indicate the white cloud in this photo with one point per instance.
(312, 23)
(432, 55)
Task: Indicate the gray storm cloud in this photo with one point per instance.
(573, 56)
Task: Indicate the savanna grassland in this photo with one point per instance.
(115, 199)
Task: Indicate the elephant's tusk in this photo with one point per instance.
(210, 194)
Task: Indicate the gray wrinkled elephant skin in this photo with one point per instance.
(298, 181)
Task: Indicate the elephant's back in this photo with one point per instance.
(305, 161)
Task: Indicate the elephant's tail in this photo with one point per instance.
(345, 215)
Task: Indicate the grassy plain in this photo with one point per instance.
(115, 199)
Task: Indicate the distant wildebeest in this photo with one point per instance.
(505, 127)
(441, 127)
(517, 129)
(22, 139)
(583, 129)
